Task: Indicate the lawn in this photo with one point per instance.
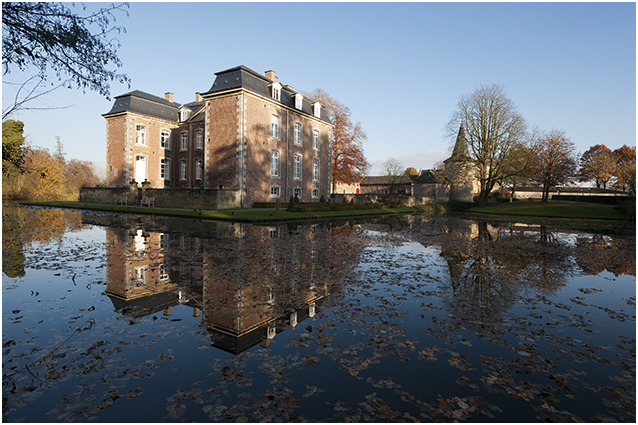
(552, 209)
(239, 215)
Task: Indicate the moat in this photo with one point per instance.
(140, 318)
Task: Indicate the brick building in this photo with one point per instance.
(247, 133)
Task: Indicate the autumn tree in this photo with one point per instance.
(496, 135)
(12, 141)
(77, 174)
(553, 161)
(393, 171)
(80, 48)
(411, 171)
(597, 164)
(625, 168)
(349, 164)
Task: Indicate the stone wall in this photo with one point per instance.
(209, 199)
(408, 201)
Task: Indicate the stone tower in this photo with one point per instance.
(458, 171)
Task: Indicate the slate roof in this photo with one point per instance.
(425, 176)
(383, 180)
(244, 77)
(230, 79)
(145, 103)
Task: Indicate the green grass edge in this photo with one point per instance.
(234, 215)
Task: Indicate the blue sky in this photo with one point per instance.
(399, 67)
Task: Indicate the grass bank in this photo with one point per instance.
(594, 218)
(552, 209)
(234, 215)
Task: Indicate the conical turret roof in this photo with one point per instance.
(460, 147)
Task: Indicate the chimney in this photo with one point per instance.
(168, 96)
(198, 97)
(271, 76)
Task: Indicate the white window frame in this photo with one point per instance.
(163, 272)
(139, 274)
(183, 170)
(297, 192)
(140, 134)
(315, 139)
(315, 193)
(165, 139)
(274, 127)
(199, 168)
(184, 114)
(296, 174)
(165, 168)
(183, 141)
(315, 169)
(274, 163)
(297, 134)
(275, 191)
(298, 101)
(317, 109)
(199, 138)
(276, 91)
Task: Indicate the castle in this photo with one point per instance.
(248, 133)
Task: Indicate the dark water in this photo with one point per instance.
(124, 318)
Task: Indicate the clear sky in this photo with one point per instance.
(399, 67)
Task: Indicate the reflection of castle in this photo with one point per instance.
(247, 282)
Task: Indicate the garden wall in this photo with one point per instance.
(209, 199)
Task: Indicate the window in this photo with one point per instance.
(140, 135)
(165, 139)
(297, 167)
(315, 139)
(164, 271)
(199, 139)
(274, 164)
(274, 127)
(297, 192)
(139, 274)
(165, 168)
(275, 192)
(164, 241)
(297, 133)
(276, 91)
(183, 141)
(198, 169)
(298, 101)
(317, 109)
(184, 114)
(315, 169)
(315, 193)
(182, 170)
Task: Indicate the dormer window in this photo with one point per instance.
(317, 109)
(276, 91)
(184, 114)
(298, 101)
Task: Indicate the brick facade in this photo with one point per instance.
(236, 144)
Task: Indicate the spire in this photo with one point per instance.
(460, 147)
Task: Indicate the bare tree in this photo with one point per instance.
(393, 171)
(46, 37)
(496, 135)
(553, 161)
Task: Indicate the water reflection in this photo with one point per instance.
(492, 264)
(247, 283)
(21, 227)
(499, 315)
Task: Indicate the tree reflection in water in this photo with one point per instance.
(340, 321)
(490, 267)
